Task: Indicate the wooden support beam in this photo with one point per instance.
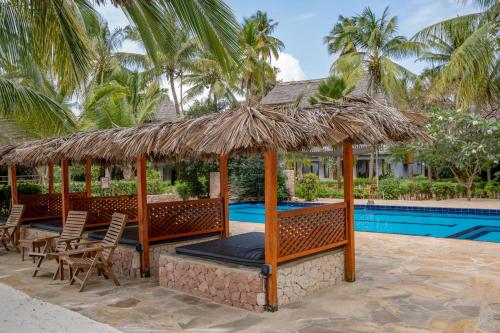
(88, 177)
(65, 189)
(51, 178)
(142, 215)
(13, 184)
(271, 226)
(14, 199)
(350, 256)
(224, 193)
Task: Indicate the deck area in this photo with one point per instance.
(404, 284)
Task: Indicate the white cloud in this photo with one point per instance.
(289, 68)
(306, 16)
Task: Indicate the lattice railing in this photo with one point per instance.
(309, 230)
(44, 206)
(101, 209)
(41, 206)
(169, 220)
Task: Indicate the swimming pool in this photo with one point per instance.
(473, 224)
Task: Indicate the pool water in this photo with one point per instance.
(473, 224)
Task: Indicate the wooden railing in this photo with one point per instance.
(101, 209)
(169, 220)
(45, 206)
(310, 230)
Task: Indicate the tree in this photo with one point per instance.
(329, 90)
(340, 39)
(211, 22)
(463, 53)
(369, 45)
(257, 45)
(45, 57)
(463, 142)
(206, 75)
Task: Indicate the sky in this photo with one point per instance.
(304, 23)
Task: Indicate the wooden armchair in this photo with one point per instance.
(98, 256)
(71, 234)
(8, 230)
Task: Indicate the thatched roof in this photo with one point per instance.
(165, 111)
(289, 92)
(244, 130)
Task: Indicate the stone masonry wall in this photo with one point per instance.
(126, 260)
(304, 276)
(234, 285)
(32, 233)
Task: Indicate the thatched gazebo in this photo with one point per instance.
(246, 130)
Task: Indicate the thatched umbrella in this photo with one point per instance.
(244, 130)
(382, 123)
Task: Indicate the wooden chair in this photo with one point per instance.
(70, 235)
(97, 257)
(8, 230)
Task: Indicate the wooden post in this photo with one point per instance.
(13, 184)
(350, 256)
(88, 177)
(65, 189)
(224, 193)
(142, 215)
(271, 226)
(13, 195)
(51, 178)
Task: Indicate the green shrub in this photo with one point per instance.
(388, 189)
(183, 189)
(308, 187)
(246, 177)
(119, 187)
(491, 188)
(22, 189)
(328, 192)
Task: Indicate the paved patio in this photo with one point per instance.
(405, 284)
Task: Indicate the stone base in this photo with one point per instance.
(244, 287)
(31, 233)
(230, 284)
(304, 276)
(126, 260)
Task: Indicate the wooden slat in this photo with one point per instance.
(310, 230)
(171, 219)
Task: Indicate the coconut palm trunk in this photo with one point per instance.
(171, 78)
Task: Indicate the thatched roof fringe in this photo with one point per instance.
(244, 130)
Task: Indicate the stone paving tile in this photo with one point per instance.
(404, 284)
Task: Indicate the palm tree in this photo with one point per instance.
(340, 38)
(211, 22)
(127, 99)
(370, 45)
(45, 57)
(53, 37)
(269, 45)
(173, 58)
(463, 53)
(257, 74)
(206, 75)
